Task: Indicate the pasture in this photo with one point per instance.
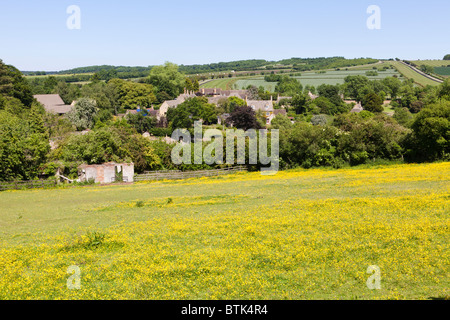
(441, 67)
(300, 234)
(433, 63)
(224, 83)
(411, 74)
(338, 77)
(332, 77)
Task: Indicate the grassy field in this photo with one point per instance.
(337, 77)
(441, 67)
(225, 83)
(57, 75)
(433, 63)
(301, 234)
(411, 74)
(307, 78)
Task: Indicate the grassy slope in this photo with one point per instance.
(296, 235)
(433, 63)
(307, 78)
(410, 74)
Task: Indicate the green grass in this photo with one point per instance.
(224, 84)
(443, 71)
(411, 74)
(337, 77)
(257, 82)
(433, 63)
(307, 78)
(57, 75)
(302, 234)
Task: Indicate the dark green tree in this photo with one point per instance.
(372, 102)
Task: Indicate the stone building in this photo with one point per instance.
(107, 172)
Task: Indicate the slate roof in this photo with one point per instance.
(53, 103)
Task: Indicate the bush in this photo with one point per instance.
(430, 139)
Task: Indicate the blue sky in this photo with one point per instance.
(34, 35)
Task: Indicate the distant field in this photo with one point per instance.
(410, 74)
(257, 82)
(433, 63)
(443, 71)
(441, 67)
(307, 78)
(224, 84)
(300, 234)
(58, 75)
(337, 77)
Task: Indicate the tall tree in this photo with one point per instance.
(244, 118)
(167, 78)
(13, 84)
(372, 102)
(83, 113)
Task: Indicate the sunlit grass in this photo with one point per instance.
(301, 234)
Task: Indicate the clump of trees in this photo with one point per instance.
(191, 110)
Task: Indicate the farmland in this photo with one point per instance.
(301, 234)
(433, 63)
(441, 67)
(307, 78)
(411, 74)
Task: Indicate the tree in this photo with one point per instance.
(243, 118)
(431, 132)
(330, 92)
(188, 84)
(131, 95)
(252, 92)
(288, 86)
(299, 103)
(426, 69)
(83, 113)
(354, 86)
(378, 137)
(167, 78)
(407, 95)
(195, 85)
(325, 105)
(23, 148)
(67, 92)
(447, 57)
(13, 84)
(95, 78)
(106, 95)
(227, 105)
(319, 120)
(193, 109)
(281, 122)
(444, 91)
(141, 121)
(372, 102)
(403, 116)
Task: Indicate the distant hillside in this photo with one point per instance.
(94, 69)
(308, 64)
(301, 64)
